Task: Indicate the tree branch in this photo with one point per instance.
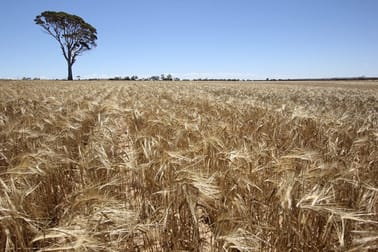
(73, 34)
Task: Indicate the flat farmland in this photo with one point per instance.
(188, 166)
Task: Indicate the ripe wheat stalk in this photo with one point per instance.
(169, 166)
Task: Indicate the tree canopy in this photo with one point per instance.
(73, 34)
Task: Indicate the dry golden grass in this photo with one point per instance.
(139, 166)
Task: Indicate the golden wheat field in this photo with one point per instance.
(188, 166)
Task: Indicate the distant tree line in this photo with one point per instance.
(162, 77)
(169, 77)
(218, 79)
(326, 79)
(29, 78)
(127, 78)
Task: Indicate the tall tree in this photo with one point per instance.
(73, 34)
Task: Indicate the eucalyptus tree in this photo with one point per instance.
(73, 34)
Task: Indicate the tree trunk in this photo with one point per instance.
(69, 71)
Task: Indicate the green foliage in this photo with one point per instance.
(73, 34)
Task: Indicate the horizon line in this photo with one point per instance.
(129, 78)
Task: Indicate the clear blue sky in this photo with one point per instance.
(198, 38)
